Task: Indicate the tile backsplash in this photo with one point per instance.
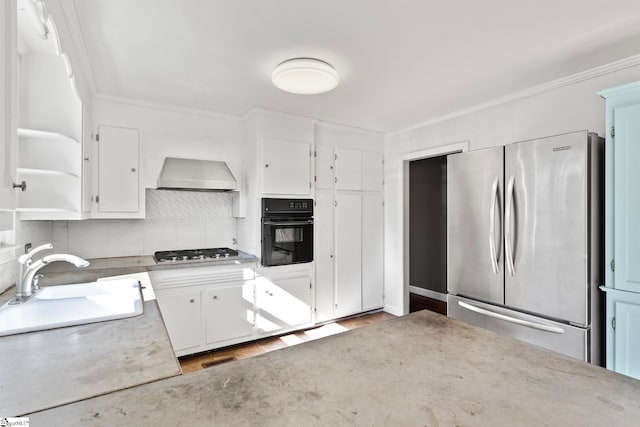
(174, 220)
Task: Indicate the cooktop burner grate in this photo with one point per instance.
(194, 254)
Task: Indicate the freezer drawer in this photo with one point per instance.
(565, 339)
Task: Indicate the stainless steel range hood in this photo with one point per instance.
(199, 175)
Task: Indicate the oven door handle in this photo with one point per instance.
(289, 223)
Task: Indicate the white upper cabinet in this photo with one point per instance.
(118, 171)
(286, 167)
(348, 169)
(324, 157)
(8, 106)
(372, 171)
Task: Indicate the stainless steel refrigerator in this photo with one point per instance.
(524, 230)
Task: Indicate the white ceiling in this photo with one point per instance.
(400, 61)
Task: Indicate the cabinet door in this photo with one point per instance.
(323, 226)
(348, 254)
(627, 198)
(8, 106)
(181, 314)
(626, 341)
(118, 166)
(283, 303)
(372, 171)
(348, 169)
(372, 264)
(324, 167)
(229, 312)
(287, 167)
(87, 135)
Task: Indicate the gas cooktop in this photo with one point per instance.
(191, 255)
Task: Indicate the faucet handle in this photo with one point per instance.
(26, 258)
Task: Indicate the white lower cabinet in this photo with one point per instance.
(206, 307)
(181, 311)
(210, 307)
(228, 312)
(284, 301)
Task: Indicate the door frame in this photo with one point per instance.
(441, 150)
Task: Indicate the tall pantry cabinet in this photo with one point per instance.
(348, 221)
(622, 228)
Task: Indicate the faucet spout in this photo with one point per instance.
(24, 287)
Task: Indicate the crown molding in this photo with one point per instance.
(260, 110)
(535, 90)
(165, 107)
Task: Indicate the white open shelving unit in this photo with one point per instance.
(50, 148)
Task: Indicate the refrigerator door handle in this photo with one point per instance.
(534, 325)
(507, 227)
(492, 227)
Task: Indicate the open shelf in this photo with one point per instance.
(50, 172)
(41, 134)
(42, 210)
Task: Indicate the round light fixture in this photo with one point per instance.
(305, 76)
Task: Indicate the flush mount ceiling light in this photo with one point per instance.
(305, 76)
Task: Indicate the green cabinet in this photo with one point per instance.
(623, 332)
(622, 228)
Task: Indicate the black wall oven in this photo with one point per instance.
(287, 231)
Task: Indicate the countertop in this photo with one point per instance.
(420, 369)
(40, 370)
(62, 272)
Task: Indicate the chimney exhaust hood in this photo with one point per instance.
(197, 175)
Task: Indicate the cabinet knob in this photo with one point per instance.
(331, 256)
(86, 159)
(22, 186)
(267, 165)
(192, 300)
(133, 170)
(215, 297)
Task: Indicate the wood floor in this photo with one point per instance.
(242, 351)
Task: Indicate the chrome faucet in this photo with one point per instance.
(24, 287)
(25, 260)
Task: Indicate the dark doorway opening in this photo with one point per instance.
(428, 234)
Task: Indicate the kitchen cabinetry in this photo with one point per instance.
(228, 312)
(8, 106)
(50, 140)
(348, 250)
(324, 255)
(348, 253)
(372, 251)
(346, 169)
(287, 167)
(324, 158)
(622, 228)
(283, 299)
(206, 307)
(623, 332)
(181, 313)
(118, 192)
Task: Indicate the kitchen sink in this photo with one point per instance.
(69, 305)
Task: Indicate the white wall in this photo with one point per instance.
(572, 107)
